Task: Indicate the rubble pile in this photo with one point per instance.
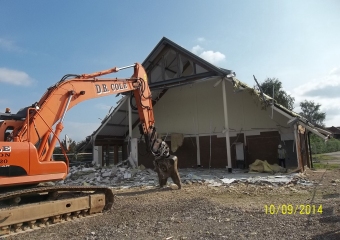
(110, 176)
(126, 177)
(217, 179)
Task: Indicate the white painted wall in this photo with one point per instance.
(95, 155)
(100, 155)
(189, 110)
(134, 150)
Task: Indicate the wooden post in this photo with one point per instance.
(298, 147)
(116, 154)
(226, 126)
(107, 155)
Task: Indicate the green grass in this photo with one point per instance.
(325, 166)
(322, 157)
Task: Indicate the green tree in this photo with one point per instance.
(72, 147)
(320, 146)
(311, 111)
(280, 95)
(72, 152)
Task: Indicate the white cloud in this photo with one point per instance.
(15, 77)
(213, 57)
(333, 121)
(9, 45)
(324, 91)
(335, 71)
(197, 49)
(201, 39)
(210, 56)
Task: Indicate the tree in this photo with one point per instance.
(72, 152)
(311, 111)
(72, 147)
(320, 146)
(280, 95)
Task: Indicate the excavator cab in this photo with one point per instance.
(7, 135)
(20, 115)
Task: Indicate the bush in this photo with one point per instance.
(320, 146)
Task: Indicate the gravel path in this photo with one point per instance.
(201, 212)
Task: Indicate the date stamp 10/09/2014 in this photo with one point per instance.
(293, 209)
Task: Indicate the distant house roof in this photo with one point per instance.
(334, 130)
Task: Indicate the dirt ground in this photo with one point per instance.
(237, 211)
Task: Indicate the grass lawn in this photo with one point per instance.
(321, 161)
(325, 166)
(322, 157)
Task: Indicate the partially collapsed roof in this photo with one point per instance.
(170, 65)
(293, 116)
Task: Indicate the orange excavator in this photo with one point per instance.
(28, 138)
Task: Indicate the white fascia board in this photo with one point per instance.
(316, 132)
(323, 131)
(283, 113)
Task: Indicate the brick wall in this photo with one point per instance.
(263, 147)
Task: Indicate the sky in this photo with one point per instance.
(297, 42)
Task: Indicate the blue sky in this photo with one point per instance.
(295, 41)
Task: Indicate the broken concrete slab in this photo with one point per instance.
(228, 180)
(129, 177)
(88, 169)
(107, 174)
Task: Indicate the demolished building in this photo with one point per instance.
(208, 117)
(335, 131)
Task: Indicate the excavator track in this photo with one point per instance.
(34, 208)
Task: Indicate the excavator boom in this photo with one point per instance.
(29, 159)
(27, 141)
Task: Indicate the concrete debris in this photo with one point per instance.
(173, 186)
(215, 184)
(126, 177)
(107, 174)
(228, 180)
(304, 182)
(88, 170)
(131, 161)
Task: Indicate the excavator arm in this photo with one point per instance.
(33, 137)
(27, 141)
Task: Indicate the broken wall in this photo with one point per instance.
(197, 110)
